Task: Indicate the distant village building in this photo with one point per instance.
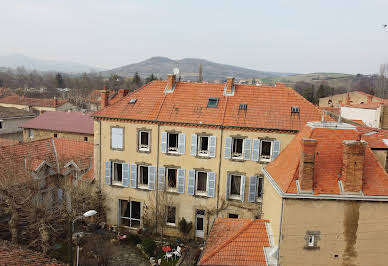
(36, 104)
(67, 125)
(94, 99)
(11, 119)
(353, 97)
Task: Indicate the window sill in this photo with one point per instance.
(237, 159)
(200, 194)
(175, 191)
(234, 197)
(311, 248)
(142, 187)
(171, 225)
(265, 160)
(173, 153)
(144, 151)
(117, 184)
(117, 149)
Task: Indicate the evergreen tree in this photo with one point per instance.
(308, 93)
(200, 75)
(137, 80)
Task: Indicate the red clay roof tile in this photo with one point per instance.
(32, 101)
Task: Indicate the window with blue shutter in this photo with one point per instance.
(211, 184)
(181, 143)
(242, 188)
(161, 178)
(212, 146)
(163, 142)
(193, 145)
(275, 149)
(151, 177)
(108, 173)
(133, 181)
(125, 174)
(228, 179)
(255, 150)
(117, 137)
(247, 149)
(181, 180)
(191, 182)
(252, 189)
(228, 148)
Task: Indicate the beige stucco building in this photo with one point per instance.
(353, 97)
(198, 147)
(10, 121)
(38, 105)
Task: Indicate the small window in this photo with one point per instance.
(143, 175)
(265, 150)
(129, 213)
(237, 148)
(55, 135)
(233, 216)
(85, 138)
(201, 183)
(117, 136)
(330, 102)
(171, 215)
(1, 124)
(295, 109)
(212, 103)
(172, 142)
(132, 101)
(260, 184)
(171, 178)
(203, 145)
(30, 133)
(243, 106)
(311, 241)
(235, 186)
(117, 173)
(144, 141)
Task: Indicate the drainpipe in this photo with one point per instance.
(157, 176)
(280, 231)
(99, 155)
(219, 170)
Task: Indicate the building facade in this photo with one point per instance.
(10, 121)
(38, 105)
(353, 97)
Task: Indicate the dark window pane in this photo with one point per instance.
(260, 183)
(266, 148)
(235, 185)
(144, 138)
(237, 145)
(172, 140)
(199, 224)
(204, 143)
(118, 172)
(171, 174)
(144, 175)
(125, 222)
(171, 214)
(135, 223)
(124, 207)
(135, 211)
(202, 180)
(232, 215)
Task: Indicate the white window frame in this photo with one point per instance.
(177, 143)
(130, 214)
(168, 188)
(201, 152)
(200, 192)
(167, 223)
(30, 133)
(235, 196)
(259, 199)
(140, 184)
(141, 146)
(113, 181)
(311, 241)
(261, 151)
(233, 155)
(122, 138)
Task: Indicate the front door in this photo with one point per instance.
(199, 223)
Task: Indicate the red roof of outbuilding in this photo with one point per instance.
(267, 107)
(43, 102)
(74, 122)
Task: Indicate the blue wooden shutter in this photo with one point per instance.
(181, 143)
(228, 148)
(193, 145)
(228, 178)
(60, 195)
(191, 182)
(125, 174)
(212, 146)
(252, 188)
(211, 184)
(242, 192)
(163, 143)
(161, 178)
(133, 183)
(255, 150)
(275, 149)
(247, 149)
(151, 177)
(181, 180)
(108, 172)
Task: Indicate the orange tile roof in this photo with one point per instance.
(31, 101)
(328, 163)
(7, 142)
(11, 254)
(374, 136)
(268, 107)
(236, 242)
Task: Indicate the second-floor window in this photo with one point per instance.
(30, 133)
(171, 179)
(143, 176)
(117, 175)
(144, 141)
(117, 138)
(235, 187)
(265, 150)
(203, 145)
(172, 142)
(201, 183)
(237, 148)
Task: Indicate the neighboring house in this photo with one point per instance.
(353, 97)
(10, 120)
(239, 242)
(94, 99)
(202, 144)
(36, 104)
(326, 197)
(68, 125)
(372, 115)
(7, 142)
(11, 254)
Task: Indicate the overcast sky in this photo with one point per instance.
(288, 36)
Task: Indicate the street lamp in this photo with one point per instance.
(89, 213)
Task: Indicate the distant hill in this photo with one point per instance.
(161, 66)
(29, 63)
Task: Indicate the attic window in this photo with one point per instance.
(212, 103)
(132, 101)
(243, 106)
(295, 109)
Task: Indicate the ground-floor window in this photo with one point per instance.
(129, 213)
(171, 215)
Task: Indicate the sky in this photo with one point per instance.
(299, 36)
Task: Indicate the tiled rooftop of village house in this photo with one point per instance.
(268, 107)
(328, 163)
(11, 112)
(32, 101)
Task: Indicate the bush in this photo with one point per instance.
(185, 227)
(134, 239)
(149, 246)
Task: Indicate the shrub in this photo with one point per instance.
(149, 246)
(185, 227)
(134, 239)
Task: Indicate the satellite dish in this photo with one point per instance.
(176, 71)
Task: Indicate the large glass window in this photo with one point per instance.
(143, 175)
(117, 137)
(171, 178)
(266, 147)
(235, 185)
(237, 148)
(201, 184)
(130, 213)
(117, 173)
(144, 141)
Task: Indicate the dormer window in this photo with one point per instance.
(213, 102)
(243, 106)
(295, 110)
(132, 101)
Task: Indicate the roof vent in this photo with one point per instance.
(243, 106)
(295, 109)
(133, 100)
(213, 102)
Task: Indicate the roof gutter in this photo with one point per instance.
(320, 196)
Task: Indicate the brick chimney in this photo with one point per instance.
(353, 165)
(171, 79)
(229, 86)
(348, 99)
(279, 84)
(306, 164)
(369, 98)
(122, 93)
(55, 101)
(104, 97)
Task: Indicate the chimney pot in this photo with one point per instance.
(229, 86)
(122, 93)
(171, 79)
(306, 164)
(104, 97)
(353, 165)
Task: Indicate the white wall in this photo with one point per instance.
(370, 117)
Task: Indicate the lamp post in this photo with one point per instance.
(85, 215)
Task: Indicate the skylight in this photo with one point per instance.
(213, 102)
(132, 101)
(243, 106)
(295, 109)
